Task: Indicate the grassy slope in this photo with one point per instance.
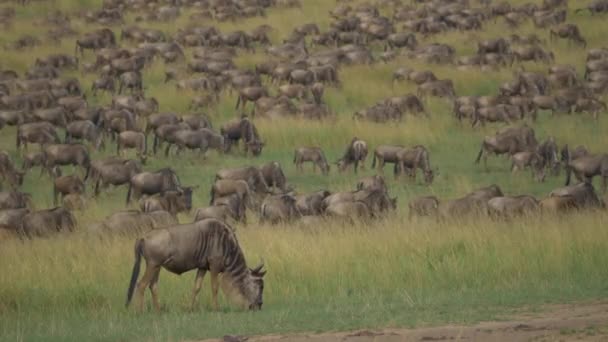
(330, 277)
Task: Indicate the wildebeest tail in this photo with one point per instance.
(479, 154)
(139, 249)
(374, 161)
(129, 192)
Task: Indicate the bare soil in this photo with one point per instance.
(572, 322)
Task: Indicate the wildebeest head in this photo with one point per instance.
(256, 287)
(256, 147)
(429, 175)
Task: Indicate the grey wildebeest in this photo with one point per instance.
(133, 222)
(64, 185)
(172, 201)
(43, 223)
(371, 183)
(356, 152)
(510, 206)
(474, 203)
(15, 200)
(423, 206)
(377, 200)
(279, 208)
(201, 139)
(113, 171)
(133, 140)
(228, 187)
(85, 130)
(274, 176)
(586, 167)
(42, 133)
(414, 158)
(224, 208)
(150, 183)
(207, 246)
(385, 154)
(311, 204)
(243, 129)
(507, 141)
(67, 154)
(314, 155)
(8, 171)
(251, 174)
(584, 195)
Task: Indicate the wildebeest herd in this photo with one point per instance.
(47, 99)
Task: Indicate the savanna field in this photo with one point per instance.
(335, 275)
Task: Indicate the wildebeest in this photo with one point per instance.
(372, 183)
(314, 155)
(507, 141)
(531, 159)
(224, 208)
(385, 154)
(172, 201)
(311, 204)
(133, 222)
(135, 140)
(584, 195)
(43, 223)
(85, 130)
(510, 206)
(570, 32)
(150, 183)
(15, 200)
(414, 158)
(201, 139)
(474, 203)
(251, 174)
(64, 185)
(377, 200)
(423, 206)
(8, 171)
(243, 129)
(356, 152)
(113, 171)
(274, 176)
(228, 187)
(586, 167)
(42, 133)
(67, 154)
(349, 210)
(279, 208)
(207, 245)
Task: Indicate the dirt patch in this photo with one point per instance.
(575, 322)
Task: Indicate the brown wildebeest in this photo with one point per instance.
(251, 174)
(356, 152)
(498, 45)
(531, 159)
(438, 88)
(85, 130)
(113, 171)
(532, 53)
(507, 141)
(135, 140)
(314, 155)
(105, 83)
(11, 218)
(207, 245)
(55, 115)
(279, 208)
(558, 204)
(594, 7)
(350, 210)
(15, 200)
(251, 94)
(150, 183)
(243, 129)
(166, 133)
(274, 176)
(372, 183)
(228, 187)
(203, 139)
(385, 154)
(583, 193)
(42, 133)
(171, 201)
(311, 204)
(568, 155)
(412, 159)
(156, 120)
(74, 202)
(67, 154)
(9, 172)
(43, 223)
(65, 185)
(423, 206)
(133, 222)
(510, 206)
(586, 167)
(377, 200)
(228, 207)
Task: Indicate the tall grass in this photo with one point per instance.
(331, 276)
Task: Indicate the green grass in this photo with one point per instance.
(393, 273)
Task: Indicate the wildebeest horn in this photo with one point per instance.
(258, 268)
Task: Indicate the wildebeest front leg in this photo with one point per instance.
(198, 284)
(214, 289)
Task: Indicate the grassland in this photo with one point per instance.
(335, 276)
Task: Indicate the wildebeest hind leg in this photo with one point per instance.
(145, 281)
(214, 289)
(154, 289)
(198, 284)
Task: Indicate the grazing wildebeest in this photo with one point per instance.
(42, 133)
(133, 222)
(166, 133)
(67, 154)
(584, 195)
(228, 187)
(201, 139)
(251, 174)
(510, 206)
(131, 80)
(11, 218)
(414, 158)
(207, 245)
(172, 201)
(43, 223)
(279, 208)
(558, 204)
(376, 199)
(385, 154)
(251, 94)
(150, 183)
(507, 141)
(64, 185)
(371, 183)
(9, 172)
(243, 129)
(570, 32)
(586, 167)
(224, 208)
(15, 200)
(531, 159)
(423, 206)
(356, 152)
(311, 204)
(135, 140)
(314, 155)
(274, 176)
(156, 120)
(349, 210)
